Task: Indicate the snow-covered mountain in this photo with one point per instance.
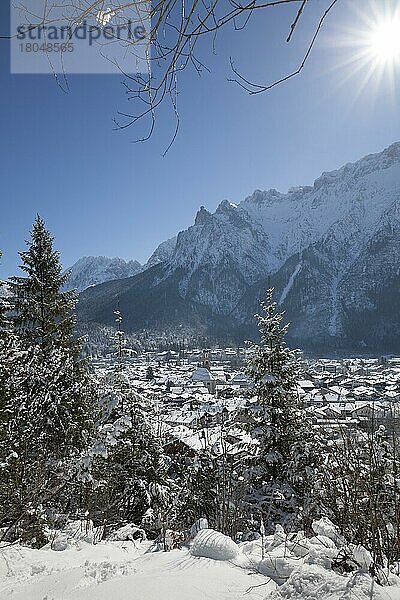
(92, 270)
(331, 250)
(162, 253)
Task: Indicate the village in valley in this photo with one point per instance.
(192, 395)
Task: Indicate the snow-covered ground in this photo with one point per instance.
(295, 569)
(118, 571)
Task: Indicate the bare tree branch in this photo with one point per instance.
(176, 27)
(255, 88)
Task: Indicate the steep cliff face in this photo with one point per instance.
(331, 250)
(162, 253)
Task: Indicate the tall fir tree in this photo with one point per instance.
(43, 318)
(48, 418)
(43, 310)
(284, 460)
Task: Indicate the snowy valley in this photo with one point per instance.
(148, 460)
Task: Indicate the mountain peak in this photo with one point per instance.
(202, 216)
(378, 161)
(225, 206)
(92, 270)
(263, 197)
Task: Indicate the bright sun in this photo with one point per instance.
(384, 42)
(371, 44)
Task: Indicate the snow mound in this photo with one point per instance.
(316, 583)
(212, 544)
(304, 568)
(325, 527)
(74, 533)
(277, 568)
(128, 532)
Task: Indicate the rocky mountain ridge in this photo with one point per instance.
(331, 251)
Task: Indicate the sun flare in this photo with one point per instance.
(384, 41)
(370, 49)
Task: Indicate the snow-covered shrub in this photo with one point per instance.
(73, 533)
(325, 527)
(128, 532)
(212, 544)
(360, 486)
(313, 582)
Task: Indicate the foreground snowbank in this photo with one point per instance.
(303, 568)
(213, 567)
(119, 571)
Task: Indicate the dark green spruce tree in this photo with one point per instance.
(43, 310)
(284, 464)
(49, 415)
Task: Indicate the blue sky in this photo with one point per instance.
(100, 193)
